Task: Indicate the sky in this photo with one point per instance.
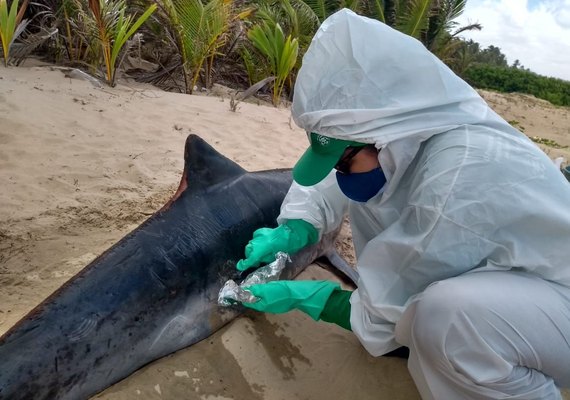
(536, 32)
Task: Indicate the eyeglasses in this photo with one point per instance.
(343, 165)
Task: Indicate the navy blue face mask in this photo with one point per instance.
(361, 186)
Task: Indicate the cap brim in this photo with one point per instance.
(313, 167)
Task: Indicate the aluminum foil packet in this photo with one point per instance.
(232, 293)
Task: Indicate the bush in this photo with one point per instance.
(509, 79)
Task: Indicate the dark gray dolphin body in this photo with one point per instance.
(152, 293)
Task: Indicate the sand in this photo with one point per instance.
(82, 166)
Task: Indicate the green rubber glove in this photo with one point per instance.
(337, 309)
(319, 299)
(289, 237)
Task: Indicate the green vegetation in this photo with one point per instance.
(114, 28)
(516, 124)
(281, 53)
(510, 79)
(488, 69)
(547, 142)
(199, 29)
(11, 25)
(193, 43)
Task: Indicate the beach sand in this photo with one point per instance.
(82, 166)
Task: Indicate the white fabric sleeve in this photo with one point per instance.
(322, 205)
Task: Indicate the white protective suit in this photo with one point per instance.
(465, 255)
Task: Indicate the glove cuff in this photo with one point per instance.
(337, 309)
(314, 304)
(301, 234)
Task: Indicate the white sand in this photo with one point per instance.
(80, 167)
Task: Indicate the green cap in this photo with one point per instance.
(320, 158)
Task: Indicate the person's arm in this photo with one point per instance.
(289, 237)
(306, 213)
(321, 300)
(322, 205)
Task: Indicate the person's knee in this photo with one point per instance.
(441, 308)
(461, 331)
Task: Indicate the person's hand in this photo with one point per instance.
(289, 237)
(282, 296)
(266, 242)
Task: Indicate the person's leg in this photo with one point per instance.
(489, 335)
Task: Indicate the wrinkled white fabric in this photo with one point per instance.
(466, 192)
(482, 344)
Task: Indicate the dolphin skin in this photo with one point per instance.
(155, 291)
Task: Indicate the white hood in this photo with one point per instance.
(364, 81)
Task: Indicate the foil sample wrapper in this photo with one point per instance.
(232, 293)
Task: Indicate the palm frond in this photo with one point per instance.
(353, 5)
(200, 29)
(471, 27)
(81, 38)
(453, 10)
(10, 26)
(25, 46)
(281, 53)
(413, 17)
(124, 29)
(377, 10)
(442, 19)
(307, 25)
(190, 15)
(322, 8)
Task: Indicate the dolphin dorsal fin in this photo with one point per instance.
(205, 167)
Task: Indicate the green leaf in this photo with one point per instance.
(8, 26)
(124, 31)
(322, 8)
(200, 30)
(281, 52)
(414, 18)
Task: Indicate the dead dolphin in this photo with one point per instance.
(155, 291)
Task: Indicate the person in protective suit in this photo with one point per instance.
(461, 225)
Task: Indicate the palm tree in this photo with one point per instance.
(426, 20)
(281, 31)
(199, 28)
(12, 25)
(322, 8)
(115, 27)
(295, 17)
(280, 51)
(430, 21)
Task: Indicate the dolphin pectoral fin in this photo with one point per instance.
(341, 269)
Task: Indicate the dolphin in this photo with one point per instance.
(155, 291)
